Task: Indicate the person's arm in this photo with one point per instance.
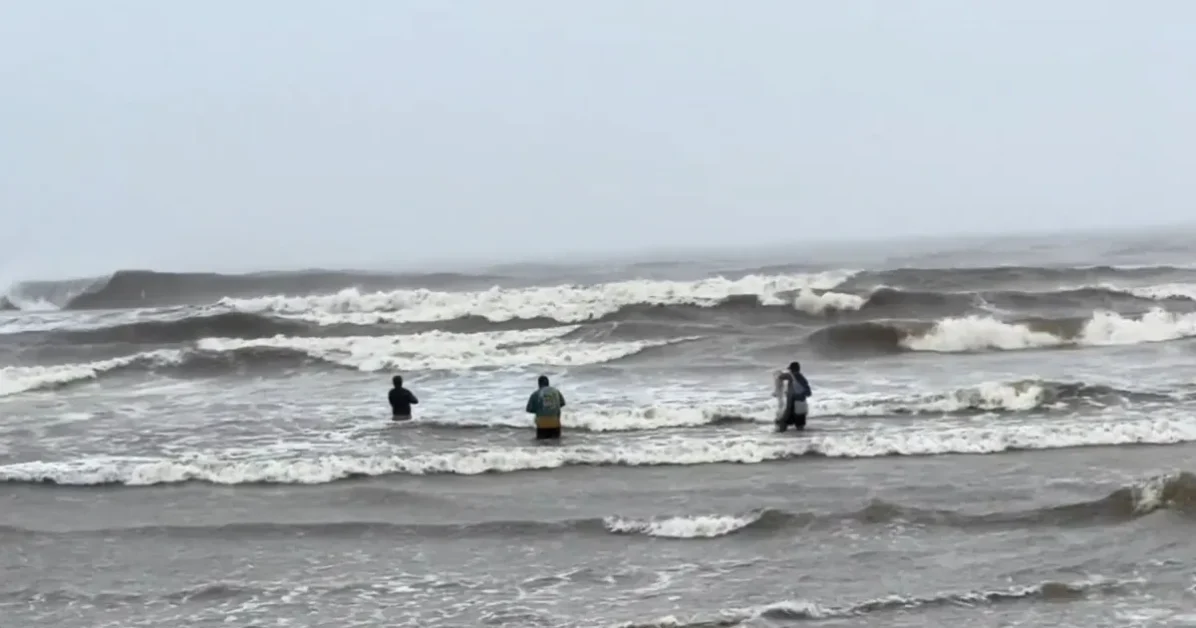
(411, 398)
(562, 397)
(806, 383)
(531, 403)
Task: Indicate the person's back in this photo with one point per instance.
(401, 400)
(546, 403)
(800, 386)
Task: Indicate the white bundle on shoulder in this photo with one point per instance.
(780, 390)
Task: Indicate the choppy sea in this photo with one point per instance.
(1001, 434)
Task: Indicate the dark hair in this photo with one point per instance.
(795, 367)
(398, 381)
(543, 381)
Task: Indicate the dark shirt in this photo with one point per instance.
(800, 390)
(401, 401)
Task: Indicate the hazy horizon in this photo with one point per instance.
(271, 136)
(838, 253)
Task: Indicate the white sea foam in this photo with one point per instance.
(1157, 325)
(435, 350)
(599, 418)
(564, 303)
(993, 396)
(975, 333)
(26, 304)
(1151, 494)
(812, 302)
(989, 396)
(688, 411)
(17, 379)
(747, 449)
(684, 527)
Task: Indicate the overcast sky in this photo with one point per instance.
(220, 135)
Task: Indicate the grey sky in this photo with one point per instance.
(219, 135)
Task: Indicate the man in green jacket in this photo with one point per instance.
(546, 404)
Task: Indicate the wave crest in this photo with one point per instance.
(429, 351)
(217, 468)
(986, 333)
(684, 527)
(147, 288)
(1175, 492)
(798, 610)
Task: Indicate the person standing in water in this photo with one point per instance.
(401, 400)
(798, 392)
(546, 404)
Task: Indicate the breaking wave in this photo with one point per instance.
(138, 288)
(186, 329)
(1030, 395)
(1016, 277)
(778, 298)
(562, 303)
(987, 333)
(1175, 492)
(216, 468)
(642, 311)
(146, 288)
(433, 350)
(190, 324)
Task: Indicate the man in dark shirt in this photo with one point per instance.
(401, 400)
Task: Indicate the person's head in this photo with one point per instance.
(795, 367)
(543, 381)
(398, 381)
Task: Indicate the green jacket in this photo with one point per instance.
(546, 401)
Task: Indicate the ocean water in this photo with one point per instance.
(1001, 434)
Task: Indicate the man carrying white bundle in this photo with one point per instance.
(794, 390)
